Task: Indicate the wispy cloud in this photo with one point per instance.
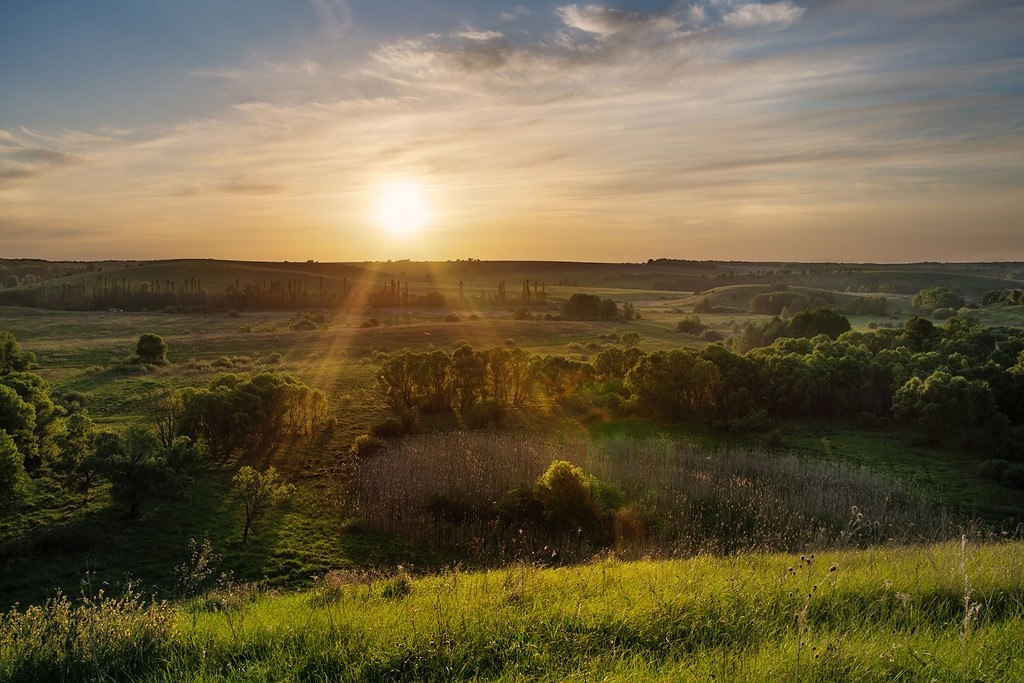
(714, 129)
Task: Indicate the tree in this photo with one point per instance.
(12, 358)
(13, 482)
(151, 349)
(927, 300)
(945, 406)
(827, 321)
(133, 464)
(674, 385)
(18, 421)
(77, 464)
(260, 492)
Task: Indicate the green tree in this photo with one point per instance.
(946, 407)
(12, 358)
(674, 385)
(13, 482)
(927, 300)
(134, 465)
(48, 417)
(151, 349)
(827, 321)
(259, 492)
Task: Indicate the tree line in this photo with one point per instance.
(960, 383)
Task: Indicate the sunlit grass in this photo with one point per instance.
(943, 612)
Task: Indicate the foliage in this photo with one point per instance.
(589, 307)
(927, 300)
(569, 497)
(136, 467)
(13, 481)
(151, 349)
(31, 417)
(260, 492)
(674, 385)
(12, 357)
(691, 324)
(239, 415)
(826, 321)
(945, 406)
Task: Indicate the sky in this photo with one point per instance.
(816, 130)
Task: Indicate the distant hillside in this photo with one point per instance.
(204, 283)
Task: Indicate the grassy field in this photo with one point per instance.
(335, 585)
(951, 612)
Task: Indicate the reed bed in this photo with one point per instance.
(664, 499)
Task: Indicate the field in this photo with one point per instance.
(948, 612)
(452, 511)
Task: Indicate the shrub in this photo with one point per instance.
(569, 497)
(452, 318)
(366, 445)
(151, 349)
(370, 322)
(388, 428)
(711, 336)
(630, 338)
(691, 324)
(486, 412)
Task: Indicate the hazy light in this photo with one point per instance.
(402, 207)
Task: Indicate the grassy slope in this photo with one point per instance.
(938, 613)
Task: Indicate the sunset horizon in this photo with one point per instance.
(845, 131)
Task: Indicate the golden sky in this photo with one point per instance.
(844, 130)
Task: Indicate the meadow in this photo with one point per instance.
(950, 612)
(665, 545)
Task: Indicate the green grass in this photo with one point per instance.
(948, 612)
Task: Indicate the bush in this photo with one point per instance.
(370, 322)
(993, 468)
(569, 497)
(711, 336)
(630, 338)
(486, 412)
(397, 588)
(691, 324)
(452, 318)
(388, 428)
(151, 349)
(365, 445)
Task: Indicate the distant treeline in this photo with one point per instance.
(959, 383)
(103, 292)
(100, 292)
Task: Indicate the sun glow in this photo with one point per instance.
(402, 207)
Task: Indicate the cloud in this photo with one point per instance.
(758, 14)
(479, 36)
(703, 121)
(43, 156)
(606, 22)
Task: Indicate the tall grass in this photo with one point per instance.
(946, 612)
(670, 499)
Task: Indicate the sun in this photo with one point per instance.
(402, 207)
